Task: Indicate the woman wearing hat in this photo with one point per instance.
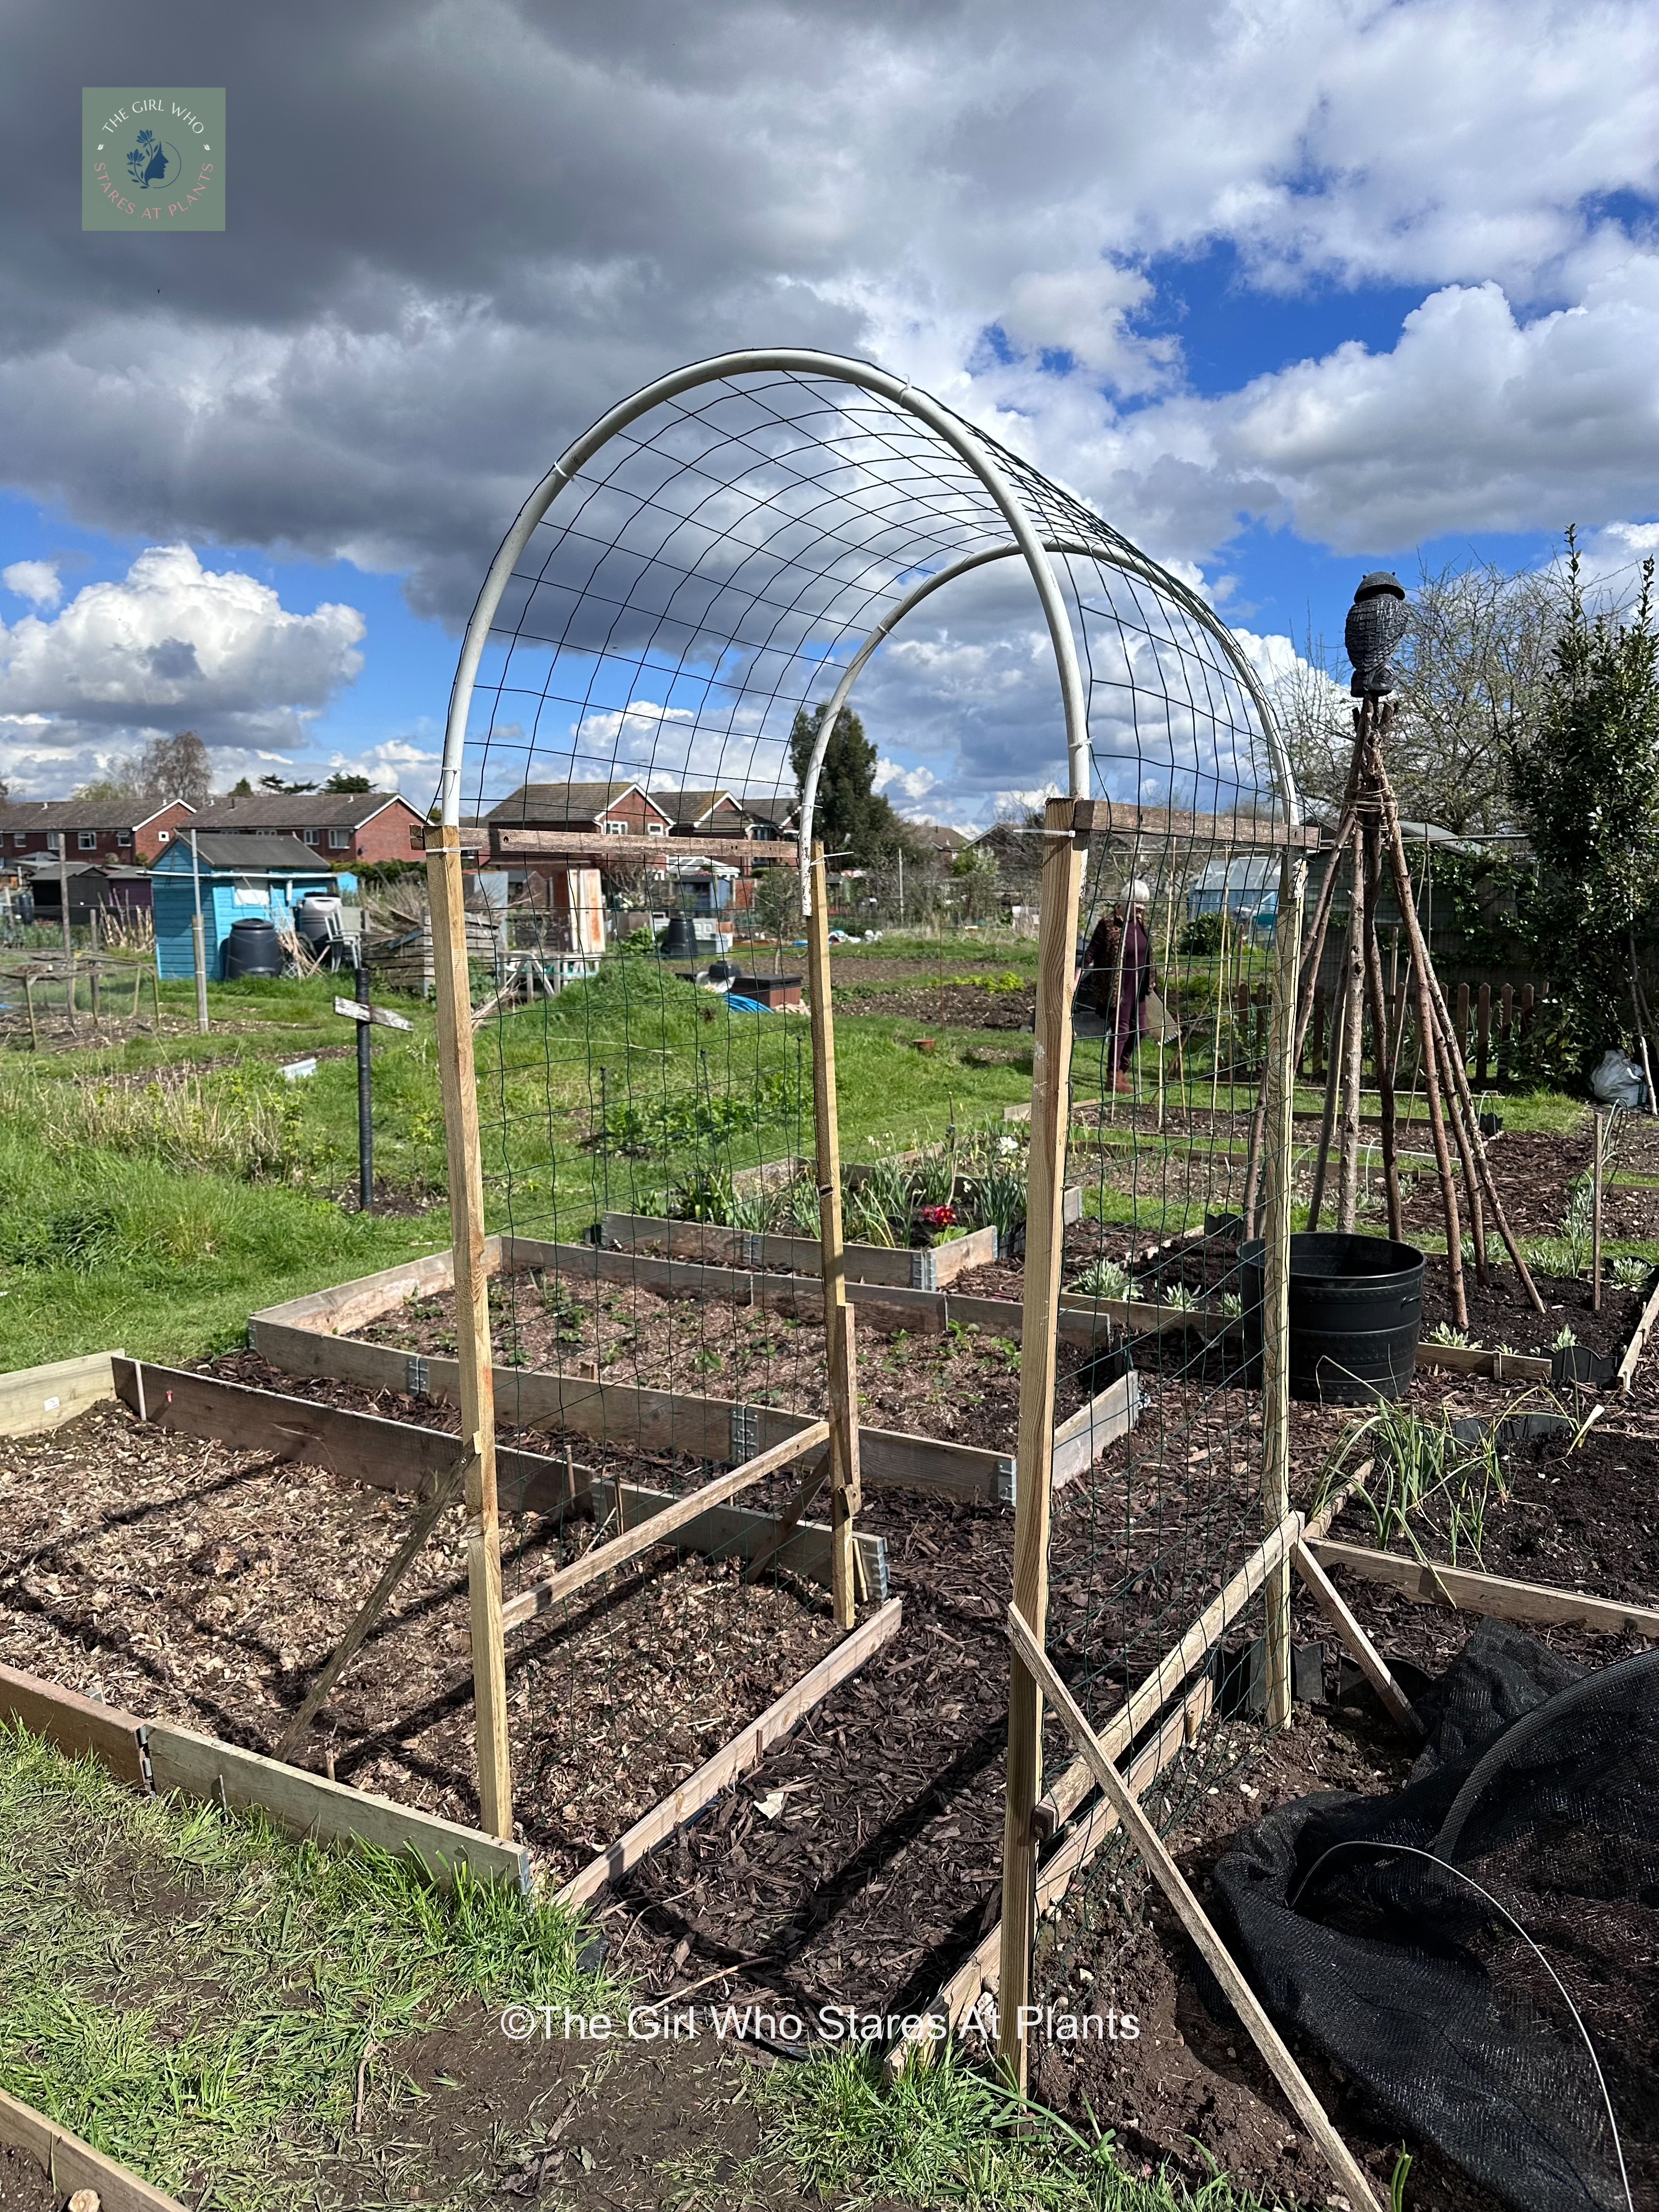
(1118, 976)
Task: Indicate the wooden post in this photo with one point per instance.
(156, 992)
(198, 938)
(1276, 1272)
(92, 924)
(1598, 1158)
(28, 1000)
(1482, 1036)
(1066, 823)
(137, 987)
(1353, 1074)
(1462, 1018)
(446, 896)
(1382, 1037)
(840, 1352)
(1316, 1050)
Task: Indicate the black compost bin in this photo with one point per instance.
(252, 948)
(1356, 1305)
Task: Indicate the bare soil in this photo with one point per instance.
(23, 2186)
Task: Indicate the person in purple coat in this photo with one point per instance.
(1118, 977)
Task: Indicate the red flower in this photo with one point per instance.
(938, 1217)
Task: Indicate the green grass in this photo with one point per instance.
(938, 2136)
(195, 1994)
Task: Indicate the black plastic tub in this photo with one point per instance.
(252, 948)
(1356, 1307)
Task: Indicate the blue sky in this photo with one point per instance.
(1284, 293)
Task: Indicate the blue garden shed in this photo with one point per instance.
(245, 877)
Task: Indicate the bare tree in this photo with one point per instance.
(169, 768)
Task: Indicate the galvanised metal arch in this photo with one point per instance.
(1016, 515)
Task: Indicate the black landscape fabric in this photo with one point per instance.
(1363, 1925)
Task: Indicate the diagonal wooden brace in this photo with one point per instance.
(1366, 1656)
(444, 1493)
(1350, 2174)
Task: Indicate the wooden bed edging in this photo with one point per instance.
(729, 1765)
(1639, 1337)
(70, 2164)
(34, 1399)
(157, 1756)
(304, 1804)
(77, 1726)
(403, 1457)
(1463, 1590)
(924, 1270)
(717, 1429)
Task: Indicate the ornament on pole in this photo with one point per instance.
(1376, 623)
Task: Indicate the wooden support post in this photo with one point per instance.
(1066, 823)
(1529, 1000)
(1276, 1272)
(1462, 1018)
(1482, 1036)
(840, 1350)
(1332, 1080)
(28, 1000)
(1351, 2175)
(92, 926)
(199, 962)
(1506, 1032)
(156, 996)
(1366, 1656)
(1353, 1073)
(447, 897)
(1598, 1158)
(137, 987)
(1376, 998)
(1316, 1050)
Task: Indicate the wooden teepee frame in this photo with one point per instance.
(1368, 839)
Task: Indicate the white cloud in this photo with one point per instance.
(36, 581)
(904, 786)
(171, 645)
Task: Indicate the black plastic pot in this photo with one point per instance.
(680, 939)
(1356, 1309)
(252, 949)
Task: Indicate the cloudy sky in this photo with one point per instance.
(1284, 289)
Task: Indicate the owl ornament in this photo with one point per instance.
(1376, 623)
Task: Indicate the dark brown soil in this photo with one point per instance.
(962, 1386)
(953, 1007)
(23, 2186)
(191, 1582)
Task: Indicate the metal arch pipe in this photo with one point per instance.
(867, 376)
(1147, 570)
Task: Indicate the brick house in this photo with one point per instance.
(606, 809)
(705, 813)
(120, 830)
(340, 827)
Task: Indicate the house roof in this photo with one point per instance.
(556, 805)
(244, 854)
(686, 809)
(781, 812)
(83, 813)
(943, 834)
(306, 810)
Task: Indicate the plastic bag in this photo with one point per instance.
(1618, 1081)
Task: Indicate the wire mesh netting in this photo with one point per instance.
(636, 745)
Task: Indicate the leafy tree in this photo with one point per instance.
(241, 788)
(1588, 779)
(850, 817)
(340, 783)
(275, 783)
(777, 901)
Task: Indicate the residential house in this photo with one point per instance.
(129, 830)
(340, 827)
(703, 813)
(606, 809)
